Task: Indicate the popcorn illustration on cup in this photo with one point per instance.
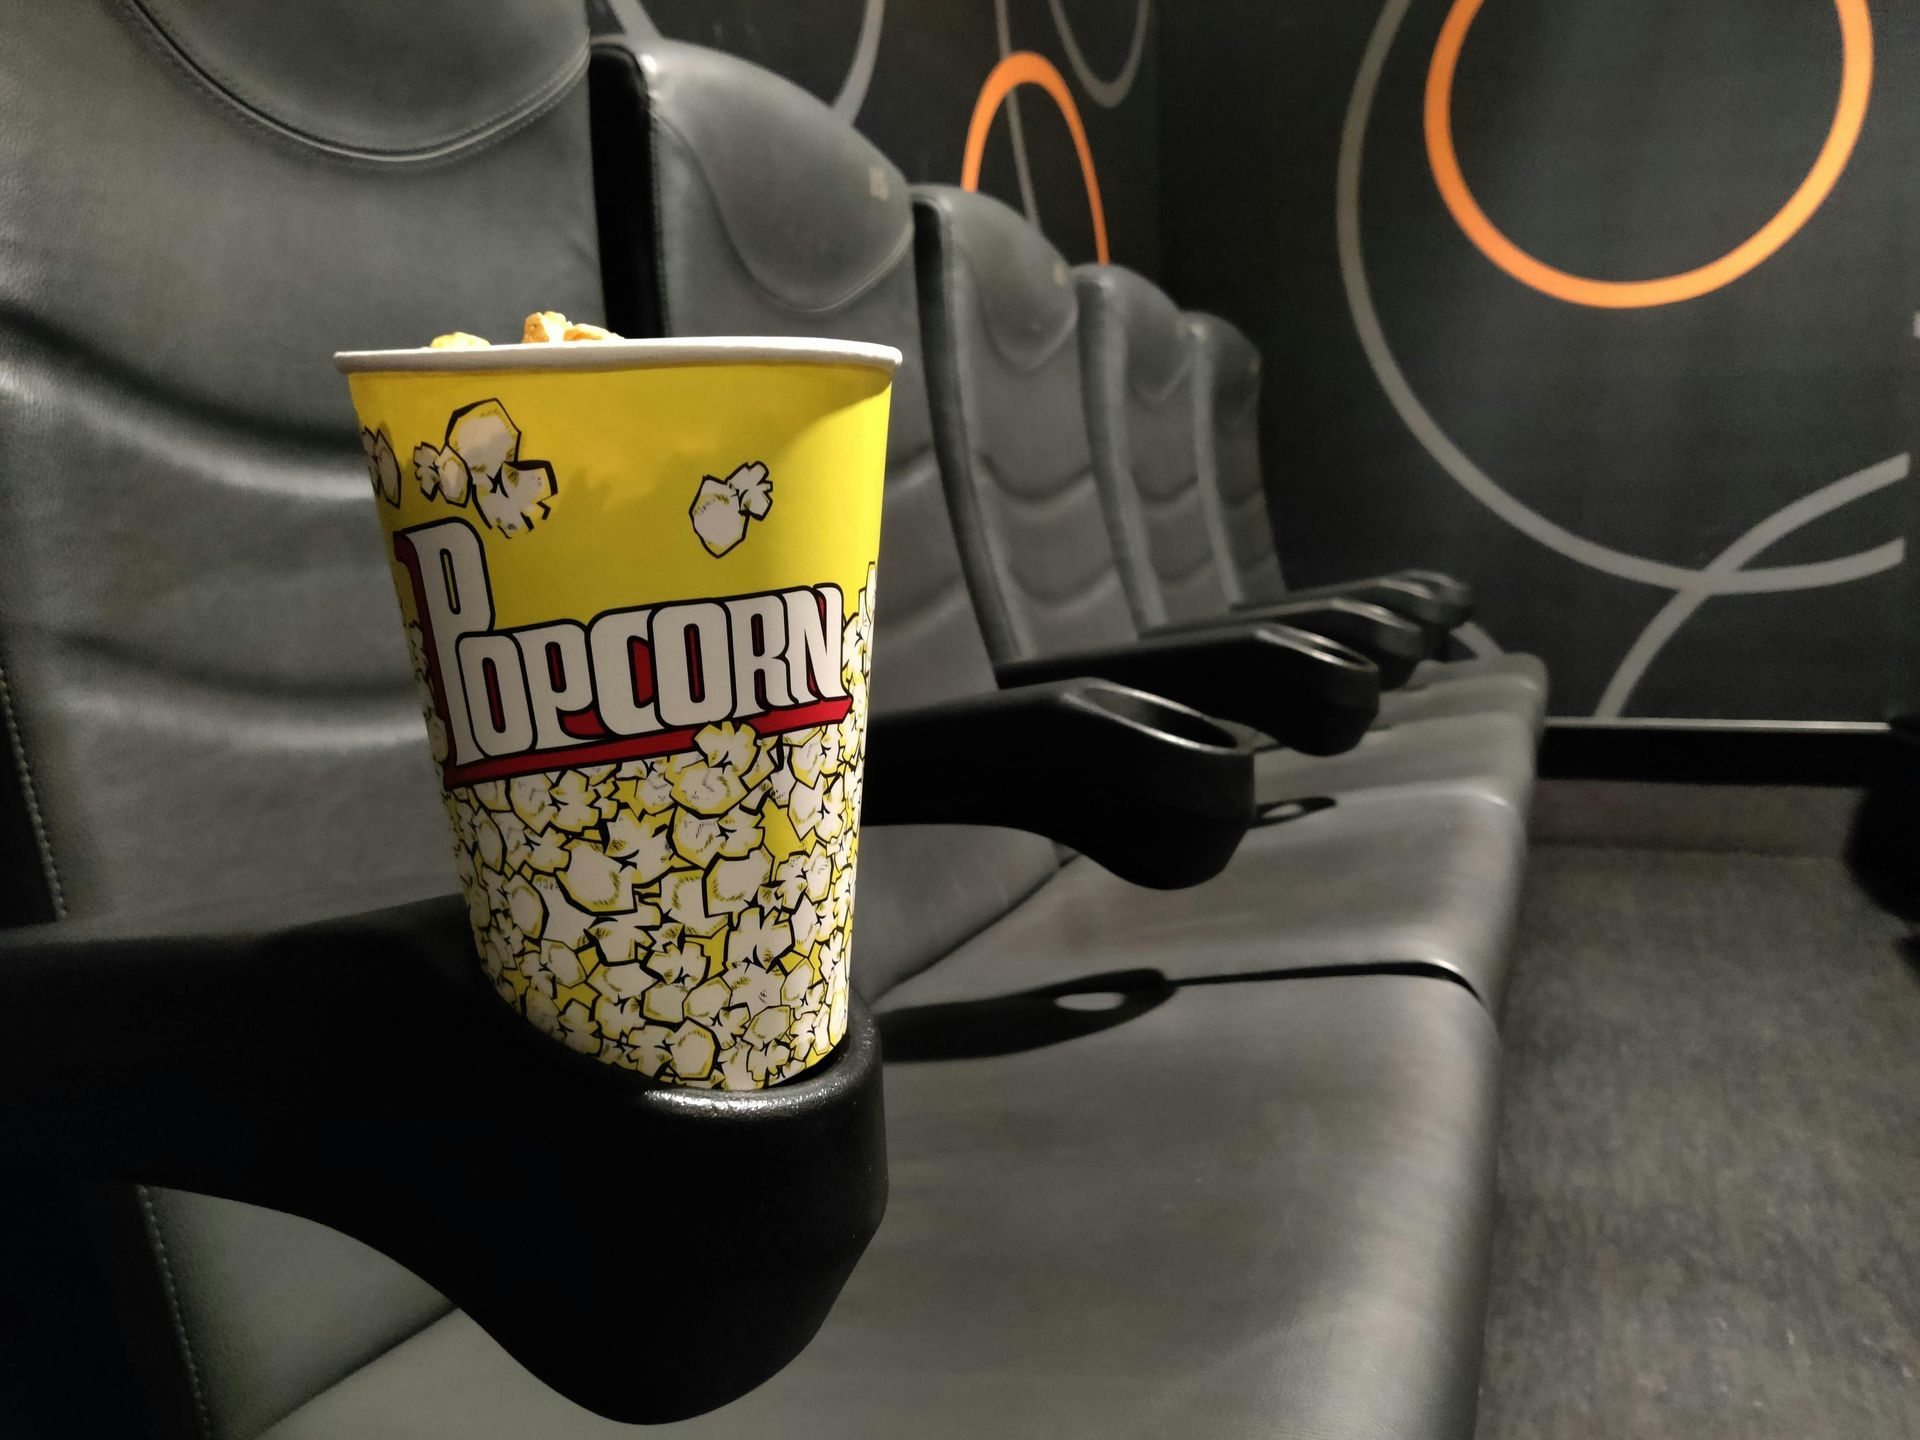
(652, 763)
(642, 910)
(722, 508)
(383, 466)
(480, 461)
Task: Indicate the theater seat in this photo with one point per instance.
(1246, 1210)
(1233, 496)
(1137, 362)
(1227, 1178)
(1355, 884)
(1004, 337)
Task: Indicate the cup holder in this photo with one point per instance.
(1150, 712)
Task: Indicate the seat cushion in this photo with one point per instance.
(1250, 1210)
(1412, 879)
(1487, 756)
(1439, 689)
(1514, 684)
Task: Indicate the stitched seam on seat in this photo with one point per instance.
(511, 119)
(1050, 497)
(1155, 398)
(1097, 585)
(1050, 348)
(865, 284)
(1182, 491)
(35, 818)
(178, 1317)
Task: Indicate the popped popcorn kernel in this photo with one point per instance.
(458, 340)
(544, 327)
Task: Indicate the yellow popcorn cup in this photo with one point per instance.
(637, 579)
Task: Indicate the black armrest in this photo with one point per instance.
(1457, 593)
(1394, 643)
(1305, 691)
(1427, 597)
(363, 1073)
(1154, 791)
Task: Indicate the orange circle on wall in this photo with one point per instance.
(1024, 67)
(1856, 81)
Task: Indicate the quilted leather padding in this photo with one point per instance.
(1226, 397)
(198, 626)
(1137, 359)
(1003, 360)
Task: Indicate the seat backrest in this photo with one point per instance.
(1137, 362)
(733, 202)
(1226, 437)
(1001, 329)
(206, 693)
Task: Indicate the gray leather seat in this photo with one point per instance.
(1250, 1211)
(1233, 497)
(1137, 362)
(751, 176)
(206, 695)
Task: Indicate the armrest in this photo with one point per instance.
(1457, 593)
(1305, 691)
(1425, 596)
(1394, 643)
(361, 1072)
(1155, 792)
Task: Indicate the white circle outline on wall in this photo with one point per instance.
(1104, 93)
(1702, 583)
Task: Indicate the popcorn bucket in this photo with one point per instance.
(637, 579)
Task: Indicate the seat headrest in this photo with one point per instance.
(1231, 363)
(379, 77)
(1159, 352)
(1025, 288)
(813, 211)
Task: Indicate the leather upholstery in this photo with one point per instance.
(211, 699)
(1249, 1210)
(1226, 432)
(1414, 875)
(1137, 362)
(1003, 366)
(771, 216)
(1484, 757)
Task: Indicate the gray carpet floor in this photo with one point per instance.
(1709, 1215)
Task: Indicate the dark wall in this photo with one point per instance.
(907, 72)
(1606, 475)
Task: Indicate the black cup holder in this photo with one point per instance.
(650, 1253)
(1150, 712)
(1308, 692)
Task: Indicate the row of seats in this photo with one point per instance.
(1207, 1161)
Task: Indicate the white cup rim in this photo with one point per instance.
(626, 355)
